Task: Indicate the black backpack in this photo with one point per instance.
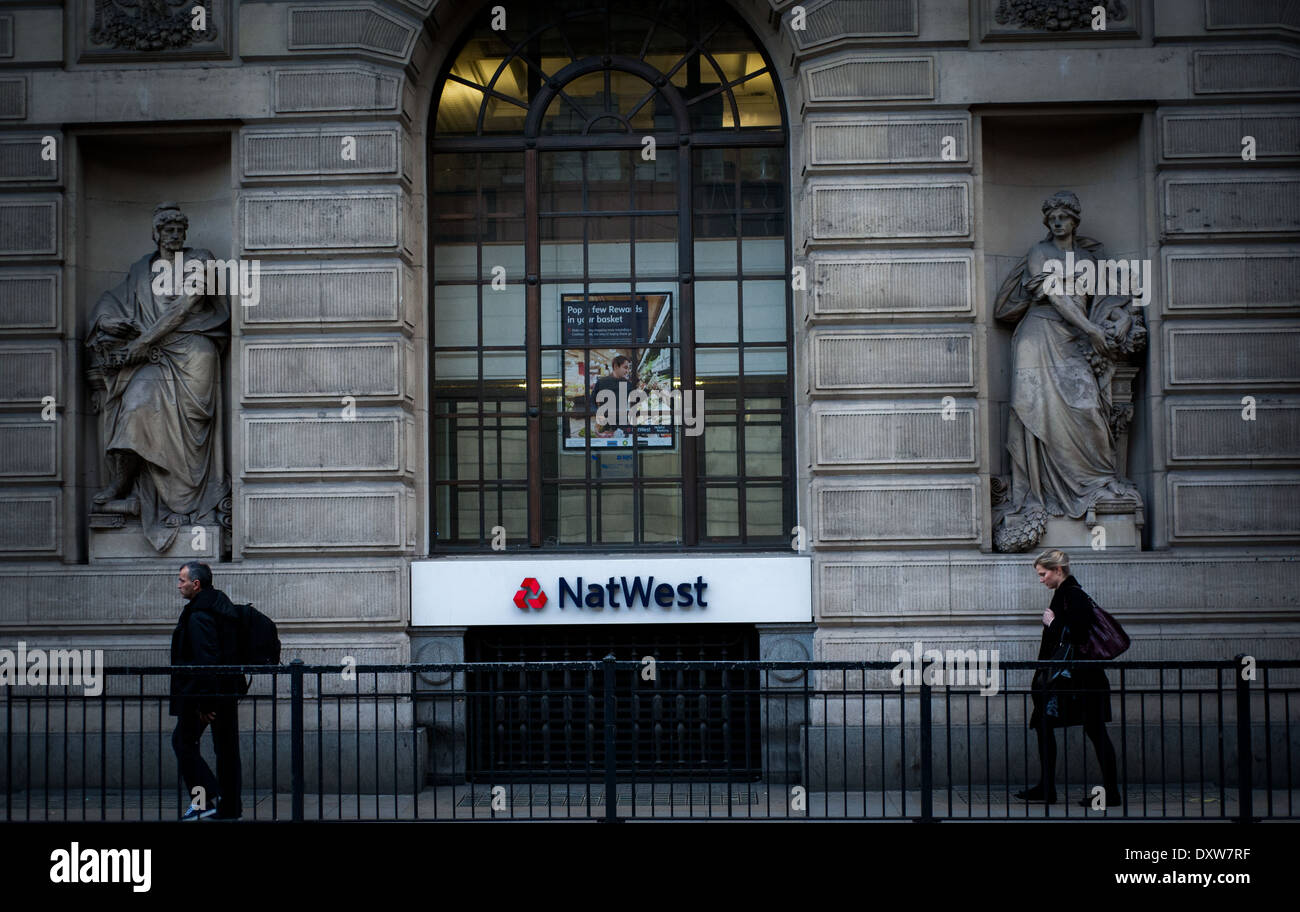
(256, 641)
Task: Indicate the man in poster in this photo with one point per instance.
(616, 387)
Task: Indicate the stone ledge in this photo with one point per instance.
(365, 591)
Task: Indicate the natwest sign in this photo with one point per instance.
(566, 590)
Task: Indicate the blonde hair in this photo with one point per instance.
(1053, 558)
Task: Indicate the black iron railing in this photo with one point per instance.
(623, 740)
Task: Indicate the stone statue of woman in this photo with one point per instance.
(1060, 434)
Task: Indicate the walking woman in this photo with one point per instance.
(1070, 616)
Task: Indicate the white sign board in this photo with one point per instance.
(459, 592)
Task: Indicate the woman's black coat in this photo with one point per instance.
(1072, 609)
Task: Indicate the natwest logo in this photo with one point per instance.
(600, 596)
(530, 595)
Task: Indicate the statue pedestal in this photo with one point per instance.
(124, 541)
(1121, 519)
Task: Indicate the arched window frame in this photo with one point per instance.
(532, 141)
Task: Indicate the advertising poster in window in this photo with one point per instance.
(618, 369)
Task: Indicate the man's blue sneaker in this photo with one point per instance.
(197, 813)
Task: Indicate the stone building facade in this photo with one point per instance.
(915, 141)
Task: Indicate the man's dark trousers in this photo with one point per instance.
(225, 740)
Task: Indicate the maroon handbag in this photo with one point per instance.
(1107, 638)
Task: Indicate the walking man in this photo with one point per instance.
(204, 636)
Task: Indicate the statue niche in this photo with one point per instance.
(155, 380)
(1071, 354)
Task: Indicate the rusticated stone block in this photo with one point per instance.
(1230, 280)
(29, 448)
(323, 444)
(30, 227)
(361, 26)
(31, 523)
(1202, 432)
(1269, 70)
(892, 285)
(1227, 204)
(844, 362)
(899, 510)
(371, 291)
(894, 139)
(13, 98)
(29, 371)
(23, 159)
(859, 78)
(29, 299)
(328, 519)
(304, 221)
(317, 90)
(826, 21)
(1253, 507)
(1217, 134)
(895, 436)
(353, 149)
(376, 369)
(1217, 355)
(890, 210)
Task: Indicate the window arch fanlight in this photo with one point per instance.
(609, 214)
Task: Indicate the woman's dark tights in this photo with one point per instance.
(1096, 733)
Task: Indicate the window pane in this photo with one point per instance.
(720, 445)
(655, 181)
(611, 520)
(503, 314)
(501, 175)
(758, 103)
(501, 116)
(716, 368)
(722, 512)
(764, 310)
(455, 317)
(656, 246)
(717, 312)
(715, 180)
(560, 181)
(715, 256)
(763, 505)
(609, 246)
(503, 249)
(761, 178)
(458, 108)
(561, 251)
(661, 514)
(609, 180)
(763, 445)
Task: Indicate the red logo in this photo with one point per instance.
(530, 595)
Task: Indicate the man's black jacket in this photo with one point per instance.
(204, 635)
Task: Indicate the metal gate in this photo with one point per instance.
(697, 724)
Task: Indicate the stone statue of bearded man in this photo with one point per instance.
(156, 381)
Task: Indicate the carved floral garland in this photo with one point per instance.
(1055, 15)
(159, 25)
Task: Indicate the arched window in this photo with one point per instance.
(609, 223)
